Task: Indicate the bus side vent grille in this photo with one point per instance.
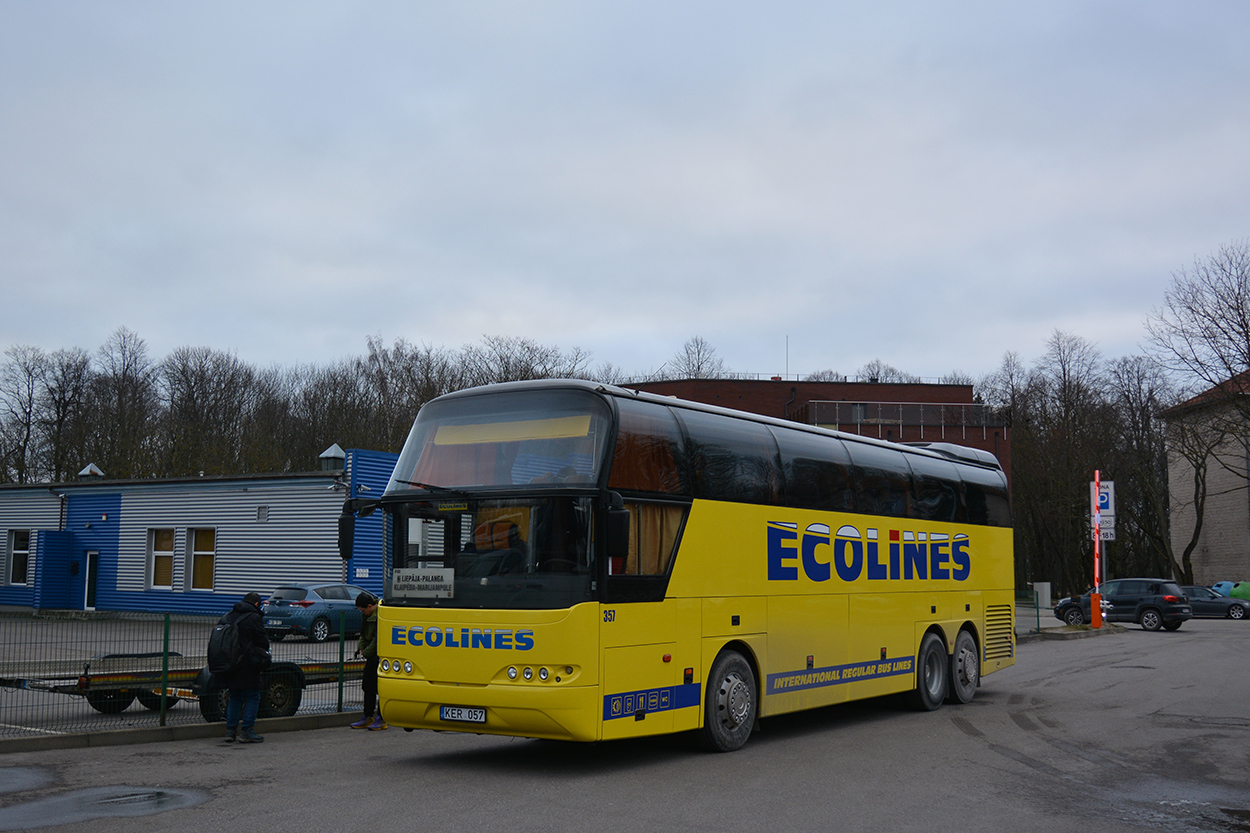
(999, 632)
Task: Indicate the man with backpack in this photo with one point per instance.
(239, 645)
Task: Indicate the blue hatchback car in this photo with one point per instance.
(312, 610)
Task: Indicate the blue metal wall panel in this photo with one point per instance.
(371, 470)
(51, 590)
(94, 520)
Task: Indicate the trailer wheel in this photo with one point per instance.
(151, 700)
(213, 703)
(280, 694)
(111, 701)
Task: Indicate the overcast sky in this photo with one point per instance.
(928, 183)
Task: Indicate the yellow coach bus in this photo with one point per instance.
(577, 561)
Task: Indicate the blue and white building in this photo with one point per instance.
(186, 545)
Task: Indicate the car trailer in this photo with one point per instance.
(111, 682)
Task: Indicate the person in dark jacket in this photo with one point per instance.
(244, 680)
(368, 648)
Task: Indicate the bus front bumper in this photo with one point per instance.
(531, 711)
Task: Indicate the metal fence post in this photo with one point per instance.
(342, 652)
(165, 672)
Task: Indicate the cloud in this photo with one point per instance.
(928, 185)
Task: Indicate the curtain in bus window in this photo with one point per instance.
(732, 459)
(648, 448)
(881, 479)
(653, 532)
(936, 489)
(817, 471)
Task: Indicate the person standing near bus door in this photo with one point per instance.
(367, 603)
(244, 680)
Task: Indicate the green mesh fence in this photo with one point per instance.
(73, 672)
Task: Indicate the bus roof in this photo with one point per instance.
(947, 451)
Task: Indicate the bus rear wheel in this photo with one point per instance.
(931, 674)
(965, 669)
(729, 709)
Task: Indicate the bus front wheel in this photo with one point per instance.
(729, 709)
(931, 674)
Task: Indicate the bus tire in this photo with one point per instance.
(730, 705)
(931, 674)
(965, 668)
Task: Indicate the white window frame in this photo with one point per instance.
(154, 553)
(10, 556)
(193, 554)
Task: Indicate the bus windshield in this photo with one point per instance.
(517, 438)
(493, 553)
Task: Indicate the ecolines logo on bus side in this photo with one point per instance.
(498, 638)
(912, 555)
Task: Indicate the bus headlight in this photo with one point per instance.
(512, 673)
(528, 673)
(386, 665)
(542, 674)
(407, 667)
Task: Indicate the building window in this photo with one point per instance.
(19, 555)
(161, 542)
(203, 552)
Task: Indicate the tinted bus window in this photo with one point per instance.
(648, 450)
(936, 489)
(817, 471)
(513, 438)
(731, 459)
(985, 491)
(881, 478)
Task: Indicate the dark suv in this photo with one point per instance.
(1151, 602)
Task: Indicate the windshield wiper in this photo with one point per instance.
(429, 487)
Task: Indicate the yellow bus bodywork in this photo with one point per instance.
(640, 668)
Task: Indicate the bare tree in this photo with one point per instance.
(696, 359)
(21, 380)
(62, 412)
(878, 371)
(124, 407)
(825, 376)
(207, 397)
(957, 377)
(1140, 389)
(1203, 328)
(515, 359)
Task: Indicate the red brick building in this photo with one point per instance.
(898, 412)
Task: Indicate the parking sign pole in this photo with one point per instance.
(1095, 598)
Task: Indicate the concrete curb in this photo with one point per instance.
(1068, 632)
(157, 734)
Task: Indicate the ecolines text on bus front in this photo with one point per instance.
(499, 639)
(820, 553)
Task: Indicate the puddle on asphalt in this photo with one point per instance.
(97, 803)
(16, 779)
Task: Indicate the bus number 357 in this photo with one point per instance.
(609, 615)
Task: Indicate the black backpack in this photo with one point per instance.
(224, 649)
